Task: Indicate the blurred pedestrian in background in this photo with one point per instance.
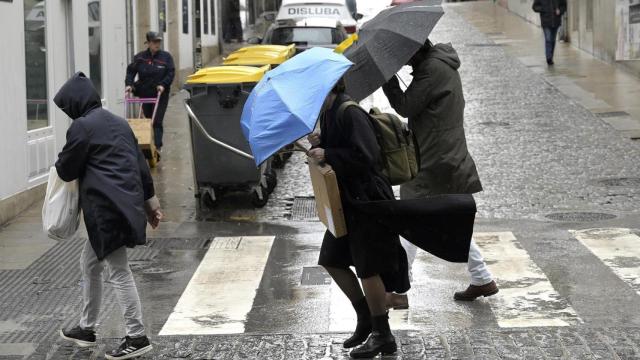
(348, 143)
(551, 12)
(155, 70)
(117, 199)
(232, 28)
(434, 104)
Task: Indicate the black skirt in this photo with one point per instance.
(371, 248)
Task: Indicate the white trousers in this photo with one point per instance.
(478, 270)
(121, 279)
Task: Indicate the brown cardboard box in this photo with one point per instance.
(328, 204)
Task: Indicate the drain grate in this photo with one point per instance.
(580, 216)
(142, 253)
(226, 243)
(484, 45)
(146, 268)
(612, 114)
(494, 123)
(39, 300)
(304, 209)
(315, 275)
(622, 182)
(179, 243)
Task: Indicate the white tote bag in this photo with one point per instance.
(60, 212)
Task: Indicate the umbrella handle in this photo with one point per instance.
(204, 132)
(297, 147)
(402, 81)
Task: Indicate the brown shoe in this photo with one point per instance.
(474, 292)
(397, 302)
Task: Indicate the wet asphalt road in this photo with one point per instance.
(564, 294)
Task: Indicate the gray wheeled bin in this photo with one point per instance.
(222, 158)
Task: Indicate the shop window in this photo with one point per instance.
(589, 22)
(162, 16)
(213, 17)
(95, 45)
(205, 17)
(185, 16)
(35, 48)
(198, 19)
(574, 10)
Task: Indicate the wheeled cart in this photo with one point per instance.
(142, 126)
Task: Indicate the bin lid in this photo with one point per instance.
(260, 55)
(228, 75)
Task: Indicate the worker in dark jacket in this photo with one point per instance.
(117, 199)
(551, 12)
(434, 104)
(348, 143)
(155, 70)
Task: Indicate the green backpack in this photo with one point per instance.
(400, 155)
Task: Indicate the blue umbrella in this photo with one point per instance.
(284, 106)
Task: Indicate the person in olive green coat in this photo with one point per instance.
(434, 103)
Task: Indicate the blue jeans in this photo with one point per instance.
(550, 34)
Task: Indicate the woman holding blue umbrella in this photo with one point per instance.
(348, 143)
(285, 106)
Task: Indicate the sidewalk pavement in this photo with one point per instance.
(510, 344)
(602, 88)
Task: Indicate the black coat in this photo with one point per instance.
(152, 70)
(434, 103)
(103, 154)
(441, 225)
(547, 10)
(353, 152)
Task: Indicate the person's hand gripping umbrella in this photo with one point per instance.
(286, 103)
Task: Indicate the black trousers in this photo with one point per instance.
(158, 129)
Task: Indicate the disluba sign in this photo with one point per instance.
(313, 11)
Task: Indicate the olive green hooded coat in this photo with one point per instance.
(434, 104)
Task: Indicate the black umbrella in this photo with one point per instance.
(387, 42)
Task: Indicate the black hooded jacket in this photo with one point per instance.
(547, 10)
(102, 153)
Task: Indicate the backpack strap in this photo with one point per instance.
(343, 107)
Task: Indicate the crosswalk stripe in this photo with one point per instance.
(526, 297)
(221, 291)
(618, 248)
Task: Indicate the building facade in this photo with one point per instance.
(46, 41)
(608, 29)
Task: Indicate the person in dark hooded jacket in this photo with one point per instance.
(117, 199)
(434, 103)
(551, 12)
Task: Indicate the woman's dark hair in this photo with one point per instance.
(340, 87)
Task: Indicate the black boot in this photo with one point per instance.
(363, 328)
(380, 341)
